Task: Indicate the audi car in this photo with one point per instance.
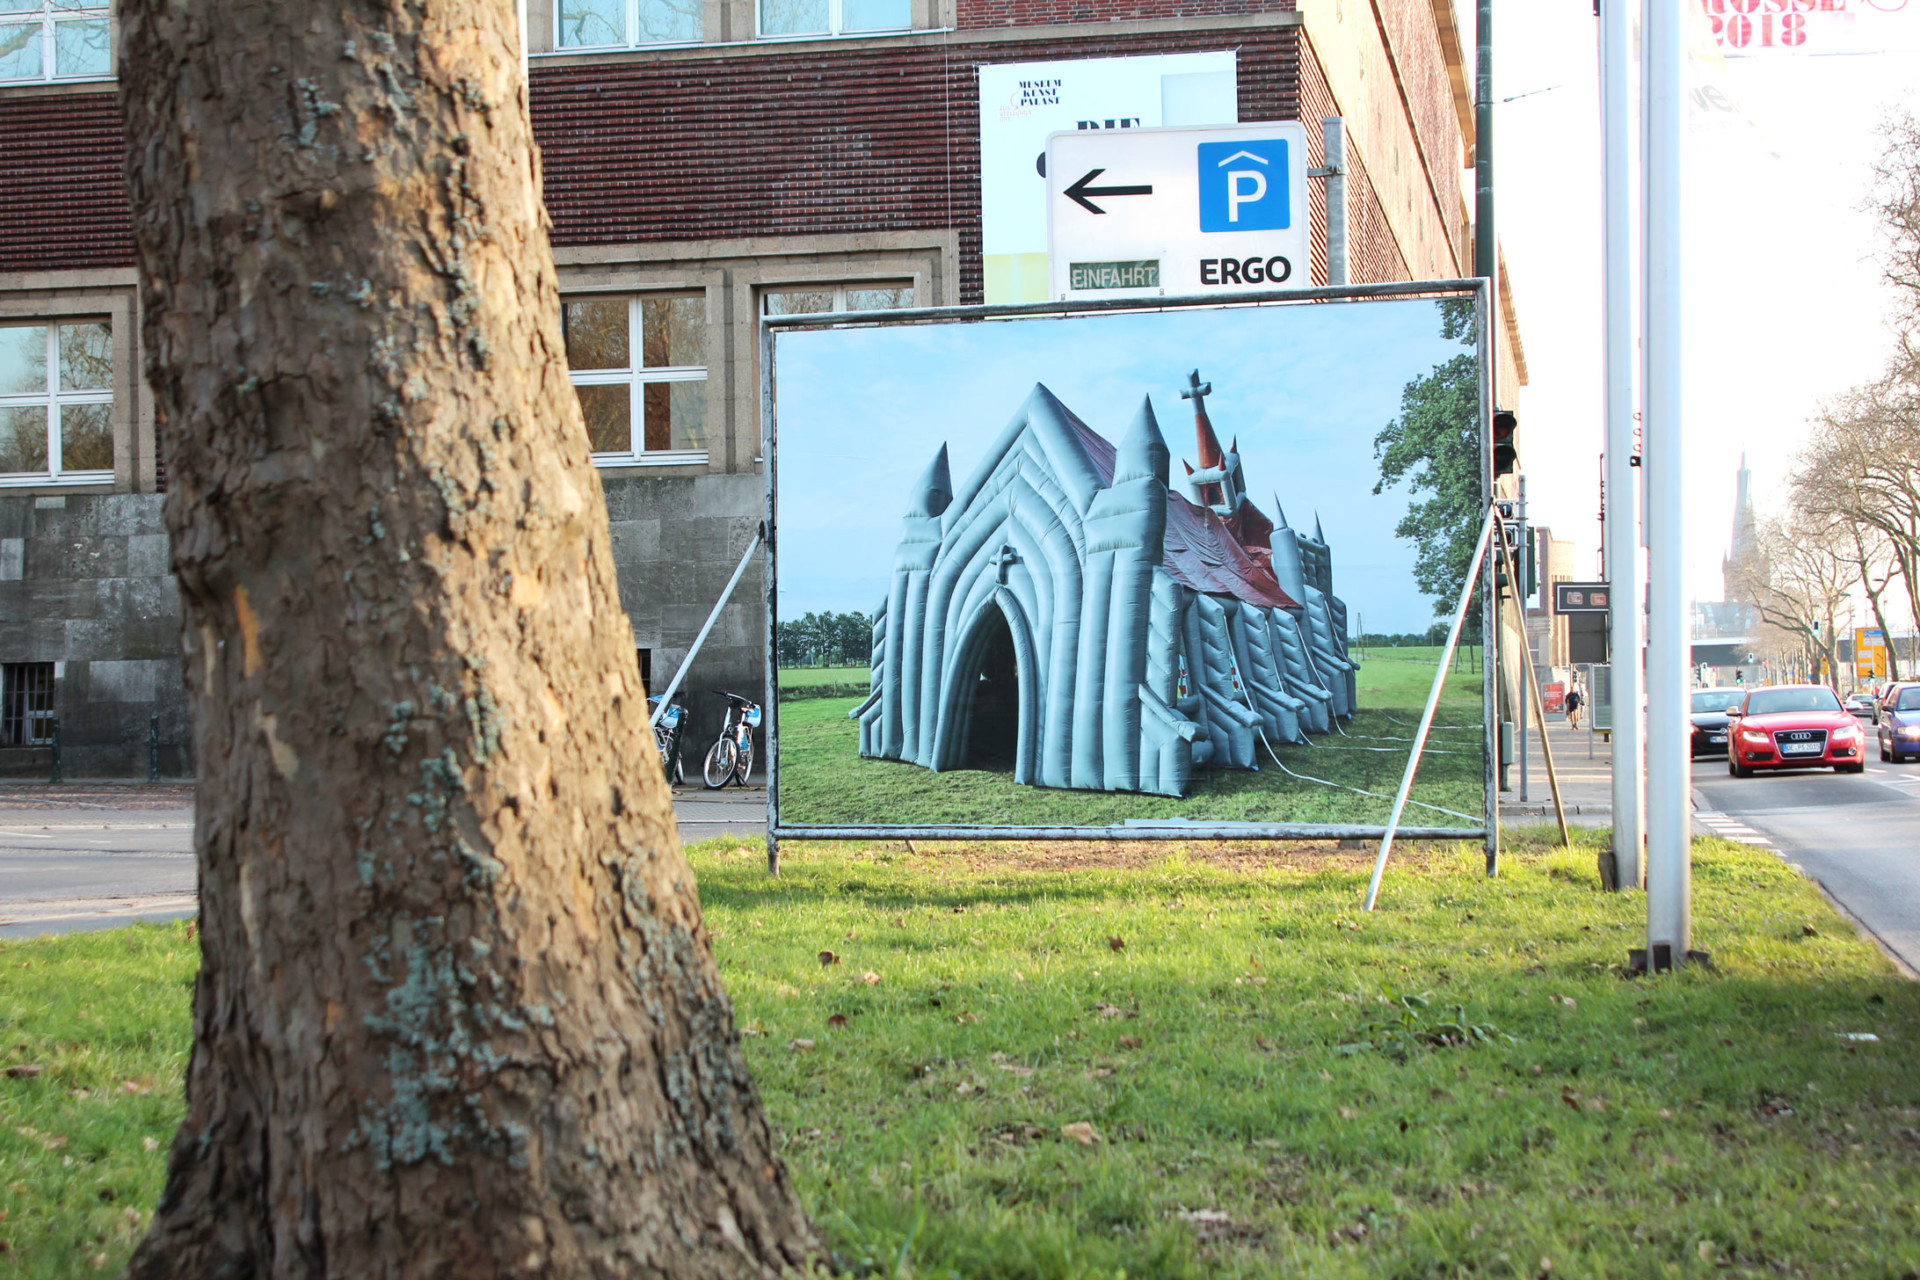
(1900, 723)
(1708, 711)
(1795, 726)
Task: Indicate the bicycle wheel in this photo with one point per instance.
(663, 743)
(719, 766)
(743, 765)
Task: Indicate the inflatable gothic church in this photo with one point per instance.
(1066, 615)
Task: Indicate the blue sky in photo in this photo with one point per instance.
(860, 413)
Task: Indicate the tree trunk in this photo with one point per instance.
(457, 1014)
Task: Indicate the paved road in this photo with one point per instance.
(96, 857)
(1857, 835)
(94, 864)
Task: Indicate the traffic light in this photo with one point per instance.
(1506, 451)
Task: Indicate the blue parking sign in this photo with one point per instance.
(1243, 186)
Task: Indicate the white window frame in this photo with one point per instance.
(630, 16)
(638, 377)
(838, 289)
(51, 400)
(48, 18)
(835, 20)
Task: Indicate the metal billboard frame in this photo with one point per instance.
(1171, 829)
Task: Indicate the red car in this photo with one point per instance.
(1795, 726)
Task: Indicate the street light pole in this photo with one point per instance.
(1669, 765)
(1484, 260)
(1622, 537)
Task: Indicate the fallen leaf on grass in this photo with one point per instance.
(1117, 943)
(140, 1087)
(25, 1069)
(799, 1046)
(1106, 1010)
(899, 922)
(149, 1144)
(1263, 1044)
(1081, 1132)
(1099, 1073)
(837, 1021)
(965, 1016)
(870, 978)
(828, 957)
(1348, 1113)
(1353, 1231)
(1808, 931)
(1129, 1042)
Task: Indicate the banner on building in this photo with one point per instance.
(1772, 28)
(1095, 572)
(1022, 103)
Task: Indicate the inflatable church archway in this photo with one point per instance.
(1066, 616)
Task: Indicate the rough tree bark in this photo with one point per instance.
(457, 1013)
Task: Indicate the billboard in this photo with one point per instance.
(1103, 571)
(1021, 103)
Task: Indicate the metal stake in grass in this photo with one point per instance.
(1433, 701)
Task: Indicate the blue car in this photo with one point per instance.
(1900, 723)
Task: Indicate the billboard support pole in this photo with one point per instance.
(1622, 532)
(1669, 820)
(1539, 700)
(1334, 152)
(706, 628)
(1488, 528)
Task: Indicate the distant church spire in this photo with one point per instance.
(1743, 551)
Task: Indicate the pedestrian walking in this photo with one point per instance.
(1574, 703)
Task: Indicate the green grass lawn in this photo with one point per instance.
(1083, 1061)
(807, 677)
(823, 779)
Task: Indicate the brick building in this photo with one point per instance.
(706, 162)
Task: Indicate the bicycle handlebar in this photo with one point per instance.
(734, 697)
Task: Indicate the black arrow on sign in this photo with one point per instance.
(1079, 191)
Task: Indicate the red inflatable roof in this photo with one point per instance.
(1201, 550)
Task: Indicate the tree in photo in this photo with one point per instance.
(1799, 585)
(457, 1013)
(1434, 447)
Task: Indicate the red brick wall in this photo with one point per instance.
(1037, 13)
(1373, 257)
(63, 203)
(1422, 68)
(876, 139)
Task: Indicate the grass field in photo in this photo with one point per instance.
(824, 781)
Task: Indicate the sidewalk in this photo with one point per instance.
(1586, 784)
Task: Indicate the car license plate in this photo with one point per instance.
(1717, 739)
(1800, 749)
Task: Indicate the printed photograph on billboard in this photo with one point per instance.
(1126, 570)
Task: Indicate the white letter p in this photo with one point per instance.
(1236, 197)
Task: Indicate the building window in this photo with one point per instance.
(56, 403)
(836, 297)
(54, 40)
(623, 24)
(26, 704)
(779, 18)
(639, 368)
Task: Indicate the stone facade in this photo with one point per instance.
(84, 584)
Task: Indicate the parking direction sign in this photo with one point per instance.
(1149, 212)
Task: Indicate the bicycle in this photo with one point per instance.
(666, 737)
(730, 759)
